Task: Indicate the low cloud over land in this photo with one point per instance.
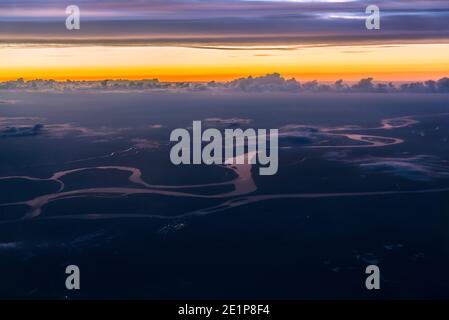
(24, 131)
(269, 83)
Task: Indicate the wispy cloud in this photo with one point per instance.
(221, 23)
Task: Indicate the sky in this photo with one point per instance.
(204, 40)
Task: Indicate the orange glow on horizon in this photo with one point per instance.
(387, 63)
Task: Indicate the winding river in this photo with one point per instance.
(243, 185)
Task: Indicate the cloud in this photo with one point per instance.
(226, 121)
(156, 126)
(144, 144)
(273, 82)
(293, 135)
(420, 168)
(10, 245)
(23, 131)
(298, 129)
(223, 22)
(18, 121)
(103, 85)
(27, 126)
(270, 82)
(65, 129)
(430, 86)
(8, 102)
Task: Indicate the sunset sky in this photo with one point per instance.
(202, 40)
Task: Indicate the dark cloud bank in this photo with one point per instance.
(268, 83)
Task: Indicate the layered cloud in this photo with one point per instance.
(223, 22)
